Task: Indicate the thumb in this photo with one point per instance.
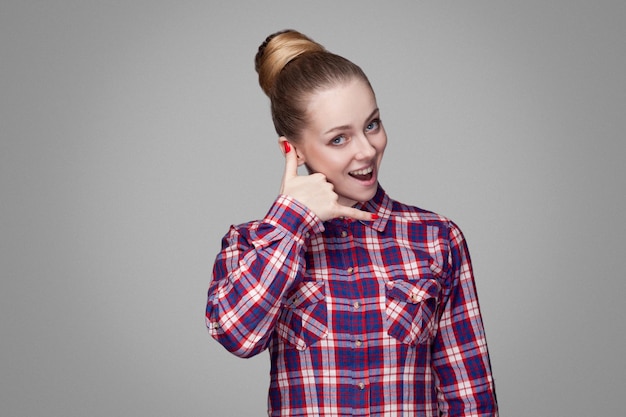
(291, 160)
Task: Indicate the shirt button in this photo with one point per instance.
(216, 325)
(344, 233)
(390, 284)
(358, 343)
(350, 270)
(356, 305)
(361, 385)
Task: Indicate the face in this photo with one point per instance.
(344, 139)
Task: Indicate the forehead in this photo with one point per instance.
(349, 103)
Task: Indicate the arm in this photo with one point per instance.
(460, 356)
(258, 264)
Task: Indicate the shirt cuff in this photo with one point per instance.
(288, 213)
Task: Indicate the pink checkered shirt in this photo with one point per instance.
(373, 318)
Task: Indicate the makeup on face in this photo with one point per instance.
(345, 140)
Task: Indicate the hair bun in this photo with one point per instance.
(278, 50)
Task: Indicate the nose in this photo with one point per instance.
(364, 148)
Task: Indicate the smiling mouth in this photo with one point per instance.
(363, 174)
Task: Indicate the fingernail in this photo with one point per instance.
(287, 147)
(374, 216)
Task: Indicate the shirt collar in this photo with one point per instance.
(381, 204)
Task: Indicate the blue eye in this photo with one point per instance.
(339, 140)
(373, 125)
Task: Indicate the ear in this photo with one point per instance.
(282, 141)
(300, 156)
(281, 144)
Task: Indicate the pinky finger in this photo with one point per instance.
(359, 214)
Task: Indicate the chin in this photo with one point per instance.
(360, 197)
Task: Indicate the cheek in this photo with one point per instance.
(323, 163)
(381, 142)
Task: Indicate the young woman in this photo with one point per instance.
(368, 306)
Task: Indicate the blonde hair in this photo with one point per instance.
(291, 67)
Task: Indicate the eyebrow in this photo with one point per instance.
(344, 127)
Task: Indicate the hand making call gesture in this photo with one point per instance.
(315, 192)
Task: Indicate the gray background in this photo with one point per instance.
(134, 133)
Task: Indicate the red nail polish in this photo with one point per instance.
(374, 216)
(287, 147)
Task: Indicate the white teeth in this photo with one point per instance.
(362, 171)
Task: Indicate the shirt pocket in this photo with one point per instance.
(304, 316)
(411, 309)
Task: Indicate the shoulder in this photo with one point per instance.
(286, 217)
(417, 216)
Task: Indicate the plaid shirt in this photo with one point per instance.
(373, 318)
